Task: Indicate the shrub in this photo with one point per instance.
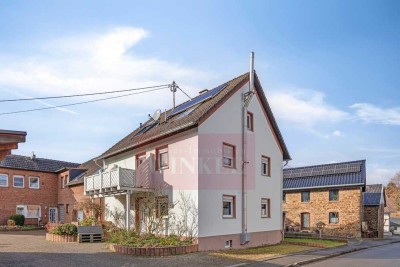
(88, 221)
(66, 229)
(132, 239)
(51, 226)
(10, 223)
(18, 218)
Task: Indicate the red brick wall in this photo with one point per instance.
(45, 196)
(72, 196)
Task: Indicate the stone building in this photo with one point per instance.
(374, 205)
(330, 193)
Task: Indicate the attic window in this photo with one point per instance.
(146, 128)
(185, 113)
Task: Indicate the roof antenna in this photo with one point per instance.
(173, 87)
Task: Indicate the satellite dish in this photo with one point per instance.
(156, 115)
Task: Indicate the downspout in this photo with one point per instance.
(246, 101)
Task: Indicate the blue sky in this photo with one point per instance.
(330, 69)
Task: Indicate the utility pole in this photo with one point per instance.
(173, 87)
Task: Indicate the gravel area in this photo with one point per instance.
(29, 248)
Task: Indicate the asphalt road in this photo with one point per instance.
(384, 256)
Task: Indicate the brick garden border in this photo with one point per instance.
(61, 238)
(156, 251)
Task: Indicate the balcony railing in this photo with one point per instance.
(119, 179)
(113, 180)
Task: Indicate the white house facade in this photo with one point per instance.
(214, 164)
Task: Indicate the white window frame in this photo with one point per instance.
(232, 158)
(38, 182)
(23, 209)
(335, 219)
(231, 200)
(23, 181)
(6, 176)
(266, 202)
(267, 162)
(159, 153)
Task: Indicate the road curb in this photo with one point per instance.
(322, 258)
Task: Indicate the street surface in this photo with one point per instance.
(385, 256)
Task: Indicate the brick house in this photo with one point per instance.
(28, 186)
(330, 193)
(70, 192)
(374, 209)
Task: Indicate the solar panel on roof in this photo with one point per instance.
(198, 99)
(146, 128)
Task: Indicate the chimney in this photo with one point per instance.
(33, 156)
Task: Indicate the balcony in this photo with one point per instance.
(118, 180)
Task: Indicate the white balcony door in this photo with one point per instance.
(53, 215)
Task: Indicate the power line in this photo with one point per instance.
(84, 102)
(78, 95)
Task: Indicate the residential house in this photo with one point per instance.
(220, 152)
(374, 203)
(28, 186)
(70, 192)
(9, 140)
(329, 193)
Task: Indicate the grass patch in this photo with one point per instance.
(259, 253)
(326, 242)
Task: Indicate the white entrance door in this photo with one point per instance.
(53, 215)
(80, 215)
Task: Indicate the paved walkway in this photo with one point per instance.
(29, 248)
(321, 254)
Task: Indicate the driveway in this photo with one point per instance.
(30, 248)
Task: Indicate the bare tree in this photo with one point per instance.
(185, 221)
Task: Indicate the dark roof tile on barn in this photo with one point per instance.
(373, 195)
(35, 164)
(176, 123)
(342, 174)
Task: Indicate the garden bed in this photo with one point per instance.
(61, 238)
(6, 228)
(154, 251)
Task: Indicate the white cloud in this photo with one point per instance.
(337, 133)
(94, 63)
(304, 107)
(372, 114)
(380, 175)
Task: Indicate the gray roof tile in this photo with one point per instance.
(373, 195)
(37, 164)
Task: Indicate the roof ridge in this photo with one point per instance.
(63, 161)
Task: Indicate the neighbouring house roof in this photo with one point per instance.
(36, 164)
(88, 168)
(178, 123)
(342, 174)
(373, 195)
(9, 140)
